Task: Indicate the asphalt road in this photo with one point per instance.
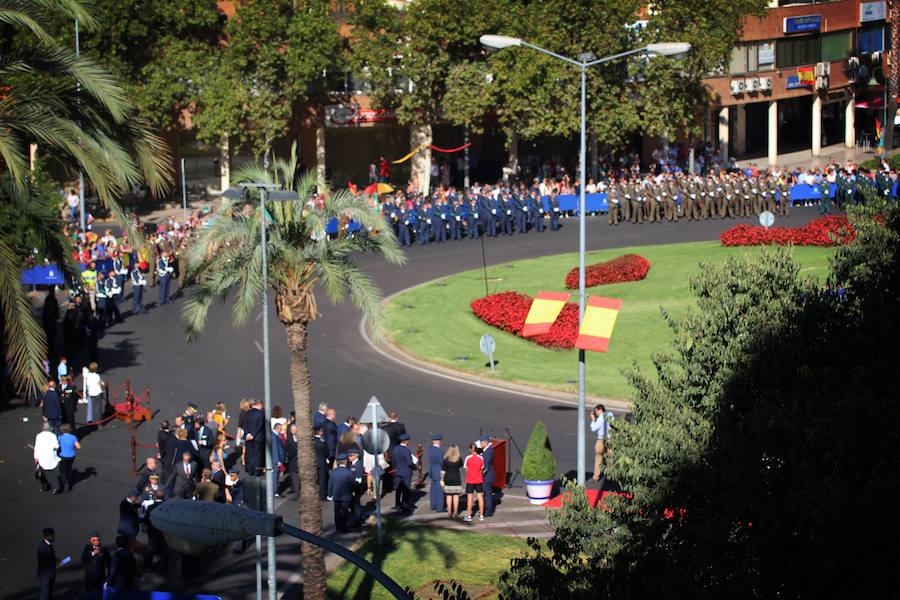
(225, 364)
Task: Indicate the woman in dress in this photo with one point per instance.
(451, 480)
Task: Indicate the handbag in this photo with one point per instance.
(38, 472)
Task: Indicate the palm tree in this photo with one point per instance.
(226, 259)
(76, 113)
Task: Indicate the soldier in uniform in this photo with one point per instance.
(615, 192)
(473, 218)
(138, 283)
(506, 214)
(164, 274)
(537, 212)
(456, 220)
(671, 203)
(654, 199)
(721, 201)
(403, 462)
(756, 194)
(637, 202)
(688, 198)
(554, 212)
(405, 222)
(771, 194)
(705, 186)
(625, 186)
(423, 222)
(340, 491)
(435, 459)
(439, 220)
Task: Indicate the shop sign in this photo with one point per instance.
(872, 11)
(802, 24)
(372, 115)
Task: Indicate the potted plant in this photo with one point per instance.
(539, 465)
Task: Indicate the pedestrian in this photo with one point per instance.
(123, 567)
(329, 429)
(69, 397)
(207, 491)
(96, 561)
(600, 426)
(46, 458)
(435, 460)
(279, 456)
(254, 439)
(474, 483)
(340, 491)
(359, 475)
(51, 406)
(394, 428)
(319, 416)
(487, 457)
(62, 369)
(292, 463)
(185, 479)
(451, 480)
(129, 522)
(94, 387)
(403, 462)
(322, 463)
(68, 450)
(46, 564)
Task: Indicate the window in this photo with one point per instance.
(793, 52)
(871, 39)
(837, 45)
(738, 63)
(766, 55)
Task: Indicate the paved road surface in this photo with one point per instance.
(225, 364)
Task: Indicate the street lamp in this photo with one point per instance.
(195, 527)
(674, 49)
(279, 196)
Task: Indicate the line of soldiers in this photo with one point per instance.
(693, 197)
(481, 211)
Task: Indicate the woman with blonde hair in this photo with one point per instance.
(451, 481)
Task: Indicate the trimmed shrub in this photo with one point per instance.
(539, 464)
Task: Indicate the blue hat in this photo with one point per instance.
(352, 452)
(404, 437)
(341, 456)
(436, 437)
(484, 438)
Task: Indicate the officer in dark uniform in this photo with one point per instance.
(138, 283)
(164, 274)
(439, 218)
(487, 455)
(111, 292)
(359, 485)
(506, 216)
(554, 212)
(121, 275)
(473, 217)
(321, 463)
(423, 222)
(435, 459)
(537, 211)
(456, 220)
(340, 491)
(522, 212)
(403, 463)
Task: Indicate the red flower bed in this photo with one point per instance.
(507, 311)
(630, 267)
(817, 232)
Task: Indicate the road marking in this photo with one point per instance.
(433, 412)
(258, 347)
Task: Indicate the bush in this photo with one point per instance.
(539, 464)
(629, 267)
(508, 310)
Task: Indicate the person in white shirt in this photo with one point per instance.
(93, 391)
(46, 457)
(74, 202)
(600, 426)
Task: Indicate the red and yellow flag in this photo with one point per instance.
(806, 76)
(543, 312)
(597, 326)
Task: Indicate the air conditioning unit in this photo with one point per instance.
(765, 84)
(823, 69)
(752, 84)
(875, 58)
(737, 87)
(853, 71)
(821, 82)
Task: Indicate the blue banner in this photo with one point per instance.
(801, 24)
(43, 275)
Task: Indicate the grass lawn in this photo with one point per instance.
(434, 321)
(416, 556)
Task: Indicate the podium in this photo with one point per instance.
(500, 455)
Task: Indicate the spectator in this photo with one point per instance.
(46, 458)
(451, 480)
(68, 450)
(474, 483)
(94, 387)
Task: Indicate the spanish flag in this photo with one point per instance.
(806, 76)
(543, 312)
(597, 326)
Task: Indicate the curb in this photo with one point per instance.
(388, 349)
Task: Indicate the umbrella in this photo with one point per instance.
(378, 188)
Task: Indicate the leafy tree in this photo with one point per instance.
(275, 50)
(95, 129)
(761, 458)
(225, 260)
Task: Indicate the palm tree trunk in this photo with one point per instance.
(894, 77)
(309, 505)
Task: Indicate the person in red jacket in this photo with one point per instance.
(474, 483)
(384, 170)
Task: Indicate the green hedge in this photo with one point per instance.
(873, 164)
(539, 464)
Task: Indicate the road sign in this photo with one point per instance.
(766, 218)
(488, 345)
(375, 441)
(379, 415)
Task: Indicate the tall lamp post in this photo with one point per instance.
(498, 42)
(271, 192)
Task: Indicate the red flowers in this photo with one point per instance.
(630, 267)
(507, 311)
(815, 233)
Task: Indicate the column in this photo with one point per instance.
(773, 131)
(850, 123)
(320, 156)
(32, 156)
(740, 130)
(724, 131)
(224, 164)
(817, 125)
(512, 163)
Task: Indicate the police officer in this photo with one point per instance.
(340, 491)
(111, 291)
(137, 291)
(121, 272)
(435, 458)
(164, 273)
(403, 462)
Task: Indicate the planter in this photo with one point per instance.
(539, 491)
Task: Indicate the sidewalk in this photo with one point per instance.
(514, 516)
(804, 158)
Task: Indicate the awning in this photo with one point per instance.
(43, 275)
(873, 103)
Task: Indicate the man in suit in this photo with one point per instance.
(322, 463)
(319, 416)
(394, 429)
(207, 491)
(69, 397)
(151, 467)
(359, 485)
(186, 476)
(340, 491)
(292, 463)
(129, 522)
(487, 455)
(404, 463)
(123, 567)
(95, 559)
(51, 406)
(254, 440)
(435, 458)
(330, 431)
(46, 564)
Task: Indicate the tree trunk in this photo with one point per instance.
(894, 79)
(309, 505)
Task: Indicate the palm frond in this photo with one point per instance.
(24, 335)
